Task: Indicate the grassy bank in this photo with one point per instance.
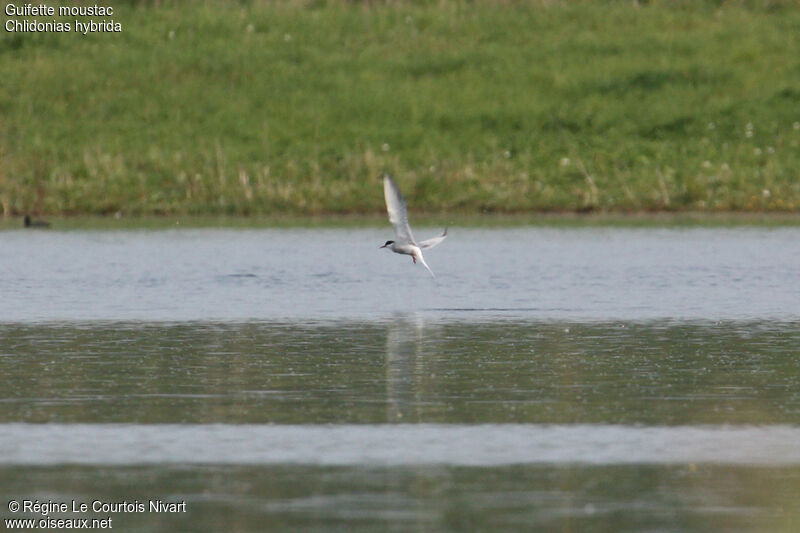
(297, 108)
(423, 222)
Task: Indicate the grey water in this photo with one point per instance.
(546, 379)
(312, 274)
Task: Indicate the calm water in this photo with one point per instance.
(582, 379)
(318, 274)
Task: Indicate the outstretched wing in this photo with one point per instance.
(433, 241)
(396, 207)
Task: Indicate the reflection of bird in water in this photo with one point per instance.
(405, 364)
(404, 242)
(30, 223)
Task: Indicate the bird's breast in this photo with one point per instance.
(408, 249)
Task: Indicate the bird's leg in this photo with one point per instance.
(414, 258)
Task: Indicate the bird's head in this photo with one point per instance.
(388, 243)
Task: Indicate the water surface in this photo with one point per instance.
(408, 370)
(553, 379)
(273, 274)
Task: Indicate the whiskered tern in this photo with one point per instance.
(404, 242)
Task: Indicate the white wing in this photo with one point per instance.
(433, 241)
(396, 207)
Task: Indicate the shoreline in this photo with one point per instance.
(422, 219)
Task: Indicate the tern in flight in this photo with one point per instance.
(404, 242)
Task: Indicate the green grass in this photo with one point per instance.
(266, 108)
(433, 221)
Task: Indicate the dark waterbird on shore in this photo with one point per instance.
(30, 223)
(404, 242)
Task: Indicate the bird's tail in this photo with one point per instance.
(422, 260)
